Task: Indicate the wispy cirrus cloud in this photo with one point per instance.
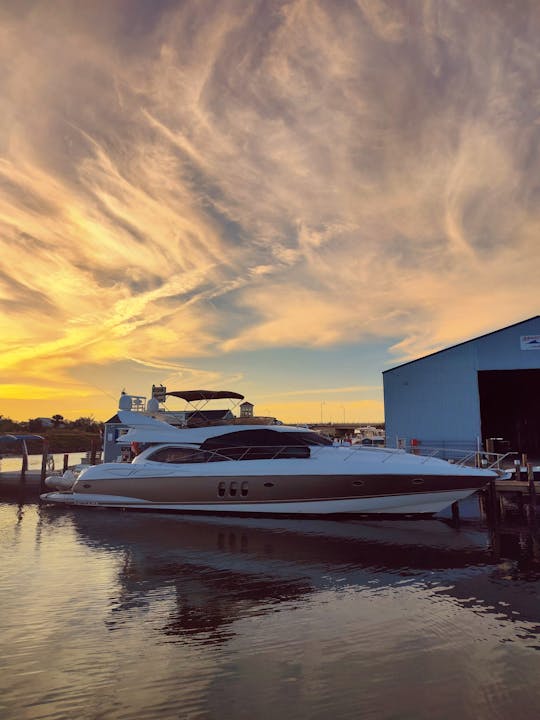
(184, 178)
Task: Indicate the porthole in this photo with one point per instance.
(244, 489)
(418, 481)
(233, 488)
(87, 485)
(268, 484)
(221, 489)
(358, 483)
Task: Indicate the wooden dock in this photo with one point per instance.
(13, 479)
(516, 486)
(517, 494)
(26, 491)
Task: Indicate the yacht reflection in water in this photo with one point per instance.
(220, 570)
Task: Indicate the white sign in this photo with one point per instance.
(530, 342)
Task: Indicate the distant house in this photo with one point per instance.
(45, 422)
(246, 409)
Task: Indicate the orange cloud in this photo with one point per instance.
(228, 177)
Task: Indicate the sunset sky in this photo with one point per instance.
(280, 198)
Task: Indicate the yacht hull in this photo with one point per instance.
(253, 469)
(329, 483)
(418, 503)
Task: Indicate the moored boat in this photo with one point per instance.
(251, 469)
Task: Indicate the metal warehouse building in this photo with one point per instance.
(483, 393)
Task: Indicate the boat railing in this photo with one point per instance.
(488, 460)
(389, 452)
(474, 458)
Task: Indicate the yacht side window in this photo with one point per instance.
(179, 455)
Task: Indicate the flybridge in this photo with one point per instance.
(194, 416)
(138, 402)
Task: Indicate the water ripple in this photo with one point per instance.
(120, 615)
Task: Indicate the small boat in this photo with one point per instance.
(262, 469)
(65, 480)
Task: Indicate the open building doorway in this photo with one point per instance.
(510, 408)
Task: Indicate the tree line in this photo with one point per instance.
(85, 424)
(62, 436)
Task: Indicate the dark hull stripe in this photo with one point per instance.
(271, 489)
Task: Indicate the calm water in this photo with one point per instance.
(13, 464)
(107, 614)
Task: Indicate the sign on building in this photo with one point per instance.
(530, 342)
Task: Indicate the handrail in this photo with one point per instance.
(390, 452)
(472, 458)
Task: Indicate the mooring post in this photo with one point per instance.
(92, 452)
(493, 502)
(44, 458)
(482, 497)
(66, 462)
(520, 504)
(517, 469)
(532, 492)
(455, 512)
(24, 465)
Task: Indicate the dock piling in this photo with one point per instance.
(93, 450)
(24, 464)
(532, 492)
(44, 458)
(523, 464)
(493, 506)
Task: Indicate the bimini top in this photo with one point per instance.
(194, 395)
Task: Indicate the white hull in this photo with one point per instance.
(278, 470)
(413, 504)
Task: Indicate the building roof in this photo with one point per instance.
(465, 342)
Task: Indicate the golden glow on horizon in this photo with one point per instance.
(364, 411)
(44, 402)
(168, 193)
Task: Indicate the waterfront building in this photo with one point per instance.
(482, 393)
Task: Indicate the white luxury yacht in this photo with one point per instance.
(241, 467)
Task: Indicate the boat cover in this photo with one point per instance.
(194, 395)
